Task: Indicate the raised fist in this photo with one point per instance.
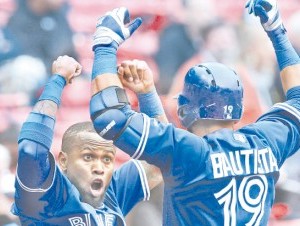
(67, 67)
(111, 29)
(136, 76)
(267, 11)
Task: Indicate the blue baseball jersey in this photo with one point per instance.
(58, 203)
(224, 178)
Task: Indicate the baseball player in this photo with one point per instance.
(82, 189)
(213, 175)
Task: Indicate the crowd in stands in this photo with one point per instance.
(175, 35)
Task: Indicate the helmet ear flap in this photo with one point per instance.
(186, 112)
(187, 115)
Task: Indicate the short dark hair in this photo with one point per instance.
(70, 137)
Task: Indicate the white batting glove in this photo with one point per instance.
(111, 30)
(267, 11)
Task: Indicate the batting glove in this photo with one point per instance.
(267, 11)
(111, 30)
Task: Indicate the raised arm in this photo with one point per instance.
(283, 118)
(135, 133)
(37, 132)
(109, 106)
(136, 76)
(111, 32)
(287, 58)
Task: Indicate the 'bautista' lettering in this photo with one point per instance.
(243, 162)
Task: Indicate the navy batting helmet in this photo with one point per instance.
(211, 91)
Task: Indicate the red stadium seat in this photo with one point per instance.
(78, 94)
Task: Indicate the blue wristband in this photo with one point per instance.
(105, 61)
(53, 89)
(150, 104)
(285, 52)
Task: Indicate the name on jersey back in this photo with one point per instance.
(243, 162)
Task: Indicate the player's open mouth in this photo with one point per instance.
(97, 185)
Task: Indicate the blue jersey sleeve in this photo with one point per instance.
(280, 127)
(34, 144)
(129, 185)
(38, 204)
(174, 151)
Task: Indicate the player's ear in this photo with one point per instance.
(62, 160)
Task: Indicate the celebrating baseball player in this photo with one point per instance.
(213, 175)
(82, 189)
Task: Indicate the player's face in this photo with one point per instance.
(90, 168)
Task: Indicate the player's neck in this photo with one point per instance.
(204, 127)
